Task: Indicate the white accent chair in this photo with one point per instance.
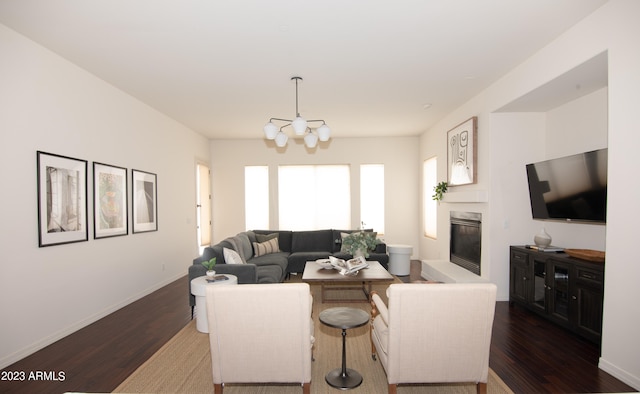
(434, 333)
(260, 333)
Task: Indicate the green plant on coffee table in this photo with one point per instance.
(360, 241)
(439, 190)
(209, 265)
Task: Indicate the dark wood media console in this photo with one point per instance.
(563, 289)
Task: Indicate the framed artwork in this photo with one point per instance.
(110, 209)
(62, 200)
(461, 153)
(145, 201)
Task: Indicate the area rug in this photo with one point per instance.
(183, 365)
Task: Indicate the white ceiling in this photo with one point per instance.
(223, 68)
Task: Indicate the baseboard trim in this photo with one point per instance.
(618, 373)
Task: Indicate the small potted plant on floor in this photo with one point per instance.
(209, 265)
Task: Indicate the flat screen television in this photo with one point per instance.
(571, 188)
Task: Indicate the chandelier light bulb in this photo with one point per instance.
(310, 140)
(299, 125)
(324, 133)
(270, 131)
(281, 139)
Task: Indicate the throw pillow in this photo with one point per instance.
(262, 248)
(266, 237)
(231, 256)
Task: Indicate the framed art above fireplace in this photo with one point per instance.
(461, 153)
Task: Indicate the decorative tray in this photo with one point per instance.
(596, 256)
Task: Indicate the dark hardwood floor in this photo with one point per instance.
(100, 356)
(530, 354)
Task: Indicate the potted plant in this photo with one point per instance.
(439, 190)
(359, 243)
(209, 265)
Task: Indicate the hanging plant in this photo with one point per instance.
(439, 190)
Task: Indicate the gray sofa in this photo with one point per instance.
(295, 249)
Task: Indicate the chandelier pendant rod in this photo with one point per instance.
(296, 79)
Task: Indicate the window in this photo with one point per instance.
(314, 197)
(256, 197)
(203, 205)
(372, 196)
(430, 206)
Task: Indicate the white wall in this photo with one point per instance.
(611, 28)
(49, 104)
(399, 156)
(620, 343)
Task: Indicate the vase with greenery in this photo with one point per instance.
(359, 243)
(439, 190)
(209, 265)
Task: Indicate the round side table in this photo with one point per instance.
(400, 259)
(344, 318)
(199, 289)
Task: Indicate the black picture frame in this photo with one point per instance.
(110, 205)
(62, 199)
(144, 186)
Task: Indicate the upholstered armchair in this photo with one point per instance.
(260, 333)
(434, 333)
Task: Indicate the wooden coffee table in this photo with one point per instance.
(332, 280)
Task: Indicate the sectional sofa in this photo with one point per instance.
(268, 256)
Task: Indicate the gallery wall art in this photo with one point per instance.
(110, 217)
(62, 199)
(145, 201)
(63, 193)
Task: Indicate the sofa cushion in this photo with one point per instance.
(298, 260)
(312, 241)
(232, 257)
(269, 274)
(267, 247)
(279, 258)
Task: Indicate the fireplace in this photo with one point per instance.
(466, 236)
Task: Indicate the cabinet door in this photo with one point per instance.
(519, 278)
(539, 301)
(559, 295)
(587, 295)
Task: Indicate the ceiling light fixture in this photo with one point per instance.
(300, 127)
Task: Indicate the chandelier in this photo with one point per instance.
(300, 127)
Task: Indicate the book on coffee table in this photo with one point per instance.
(348, 267)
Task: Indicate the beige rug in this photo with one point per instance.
(183, 365)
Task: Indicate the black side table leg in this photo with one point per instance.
(344, 378)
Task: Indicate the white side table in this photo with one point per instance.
(400, 259)
(199, 290)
